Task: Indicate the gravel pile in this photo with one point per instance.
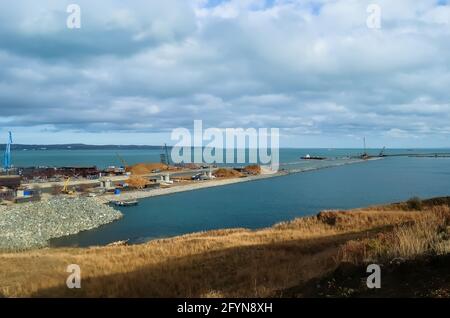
(31, 225)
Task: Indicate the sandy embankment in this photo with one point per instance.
(180, 187)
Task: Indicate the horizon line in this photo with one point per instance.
(148, 145)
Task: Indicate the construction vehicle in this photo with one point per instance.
(65, 189)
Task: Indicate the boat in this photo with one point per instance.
(125, 203)
(308, 157)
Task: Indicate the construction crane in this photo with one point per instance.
(365, 148)
(167, 154)
(365, 155)
(124, 163)
(165, 159)
(7, 157)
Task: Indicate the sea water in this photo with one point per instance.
(264, 202)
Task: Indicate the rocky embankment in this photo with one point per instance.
(32, 225)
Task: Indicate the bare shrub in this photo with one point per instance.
(415, 203)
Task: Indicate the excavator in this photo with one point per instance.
(65, 189)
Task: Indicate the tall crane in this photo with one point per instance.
(7, 157)
(165, 159)
(365, 149)
(124, 163)
(365, 155)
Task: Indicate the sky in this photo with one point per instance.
(136, 70)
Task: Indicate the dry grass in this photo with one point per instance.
(426, 234)
(229, 263)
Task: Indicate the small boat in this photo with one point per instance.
(308, 157)
(125, 203)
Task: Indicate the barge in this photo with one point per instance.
(125, 203)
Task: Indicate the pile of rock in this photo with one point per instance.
(32, 225)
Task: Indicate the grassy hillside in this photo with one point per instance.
(283, 260)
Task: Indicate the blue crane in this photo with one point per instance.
(7, 158)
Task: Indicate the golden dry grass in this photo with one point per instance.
(427, 233)
(223, 263)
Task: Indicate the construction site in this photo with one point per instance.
(30, 184)
(62, 201)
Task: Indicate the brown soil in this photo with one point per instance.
(253, 169)
(227, 173)
(137, 182)
(146, 168)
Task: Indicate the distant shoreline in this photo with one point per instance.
(80, 146)
(24, 147)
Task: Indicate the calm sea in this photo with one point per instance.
(105, 158)
(261, 203)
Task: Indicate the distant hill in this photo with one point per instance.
(79, 147)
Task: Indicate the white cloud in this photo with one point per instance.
(309, 67)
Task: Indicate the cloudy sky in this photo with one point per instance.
(137, 69)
